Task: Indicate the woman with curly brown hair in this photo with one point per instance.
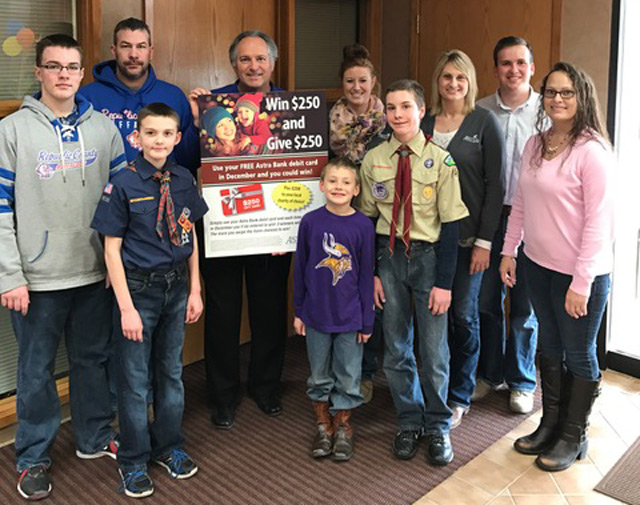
(563, 211)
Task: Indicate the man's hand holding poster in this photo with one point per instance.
(262, 154)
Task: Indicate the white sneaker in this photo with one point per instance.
(458, 412)
(521, 402)
(482, 389)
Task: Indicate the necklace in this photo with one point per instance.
(548, 149)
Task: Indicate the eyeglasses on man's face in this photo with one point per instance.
(56, 68)
(565, 94)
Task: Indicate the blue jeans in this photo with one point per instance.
(83, 315)
(562, 336)
(161, 301)
(407, 282)
(336, 361)
(464, 337)
(507, 359)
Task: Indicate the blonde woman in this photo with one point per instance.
(474, 139)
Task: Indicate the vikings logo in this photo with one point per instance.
(339, 259)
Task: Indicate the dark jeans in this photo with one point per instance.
(420, 401)
(83, 315)
(464, 336)
(267, 278)
(503, 358)
(156, 362)
(562, 336)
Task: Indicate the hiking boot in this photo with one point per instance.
(343, 437)
(110, 450)
(322, 443)
(178, 464)
(136, 484)
(34, 483)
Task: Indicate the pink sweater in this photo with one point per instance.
(564, 212)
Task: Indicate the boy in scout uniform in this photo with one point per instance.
(411, 186)
(147, 215)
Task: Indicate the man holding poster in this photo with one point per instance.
(239, 187)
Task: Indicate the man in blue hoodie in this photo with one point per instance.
(128, 83)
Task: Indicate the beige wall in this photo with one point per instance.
(586, 40)
(112, 12)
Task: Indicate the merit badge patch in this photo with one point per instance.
(185, 224)
(379, 190)
(428, 163)
(449, 161)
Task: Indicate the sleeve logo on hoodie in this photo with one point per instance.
(49, 162)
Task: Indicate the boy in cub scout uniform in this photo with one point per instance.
(411, 186)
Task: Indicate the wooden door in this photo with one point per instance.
(191, 40)
(474, 26)
(192, 37)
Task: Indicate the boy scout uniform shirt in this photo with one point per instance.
(128, 208)
(435, 189)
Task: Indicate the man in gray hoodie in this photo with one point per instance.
(56, 156)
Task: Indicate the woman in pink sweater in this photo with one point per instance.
(563, 212)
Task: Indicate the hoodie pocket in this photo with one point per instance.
(63, 253)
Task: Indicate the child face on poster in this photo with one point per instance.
(246, 116)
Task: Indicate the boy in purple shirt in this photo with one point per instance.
(333, 297)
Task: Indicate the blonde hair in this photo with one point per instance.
(463, 63)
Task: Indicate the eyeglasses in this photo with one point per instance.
(72, 68)
(565, 94)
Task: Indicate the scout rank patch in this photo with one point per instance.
(379, 190)
(428, 163)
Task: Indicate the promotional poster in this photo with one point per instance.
(262, 154)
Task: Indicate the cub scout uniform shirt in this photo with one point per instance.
(129, 209)
(435, 189)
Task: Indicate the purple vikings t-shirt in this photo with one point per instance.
(333, 273)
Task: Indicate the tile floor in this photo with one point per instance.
(501, 476)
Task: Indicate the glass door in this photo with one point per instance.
(624, 316)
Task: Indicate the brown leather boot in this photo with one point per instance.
(322, 442)
(343, 438)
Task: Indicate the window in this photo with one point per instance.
(323, 28)
(22, 24)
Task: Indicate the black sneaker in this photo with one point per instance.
(439, 452)
(34, 483)
(405, 445)
(136, 484)
(178, 464)
(110, 450)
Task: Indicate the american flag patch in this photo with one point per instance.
(108, 188)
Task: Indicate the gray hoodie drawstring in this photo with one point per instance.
(61, 149)
(66, 130)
